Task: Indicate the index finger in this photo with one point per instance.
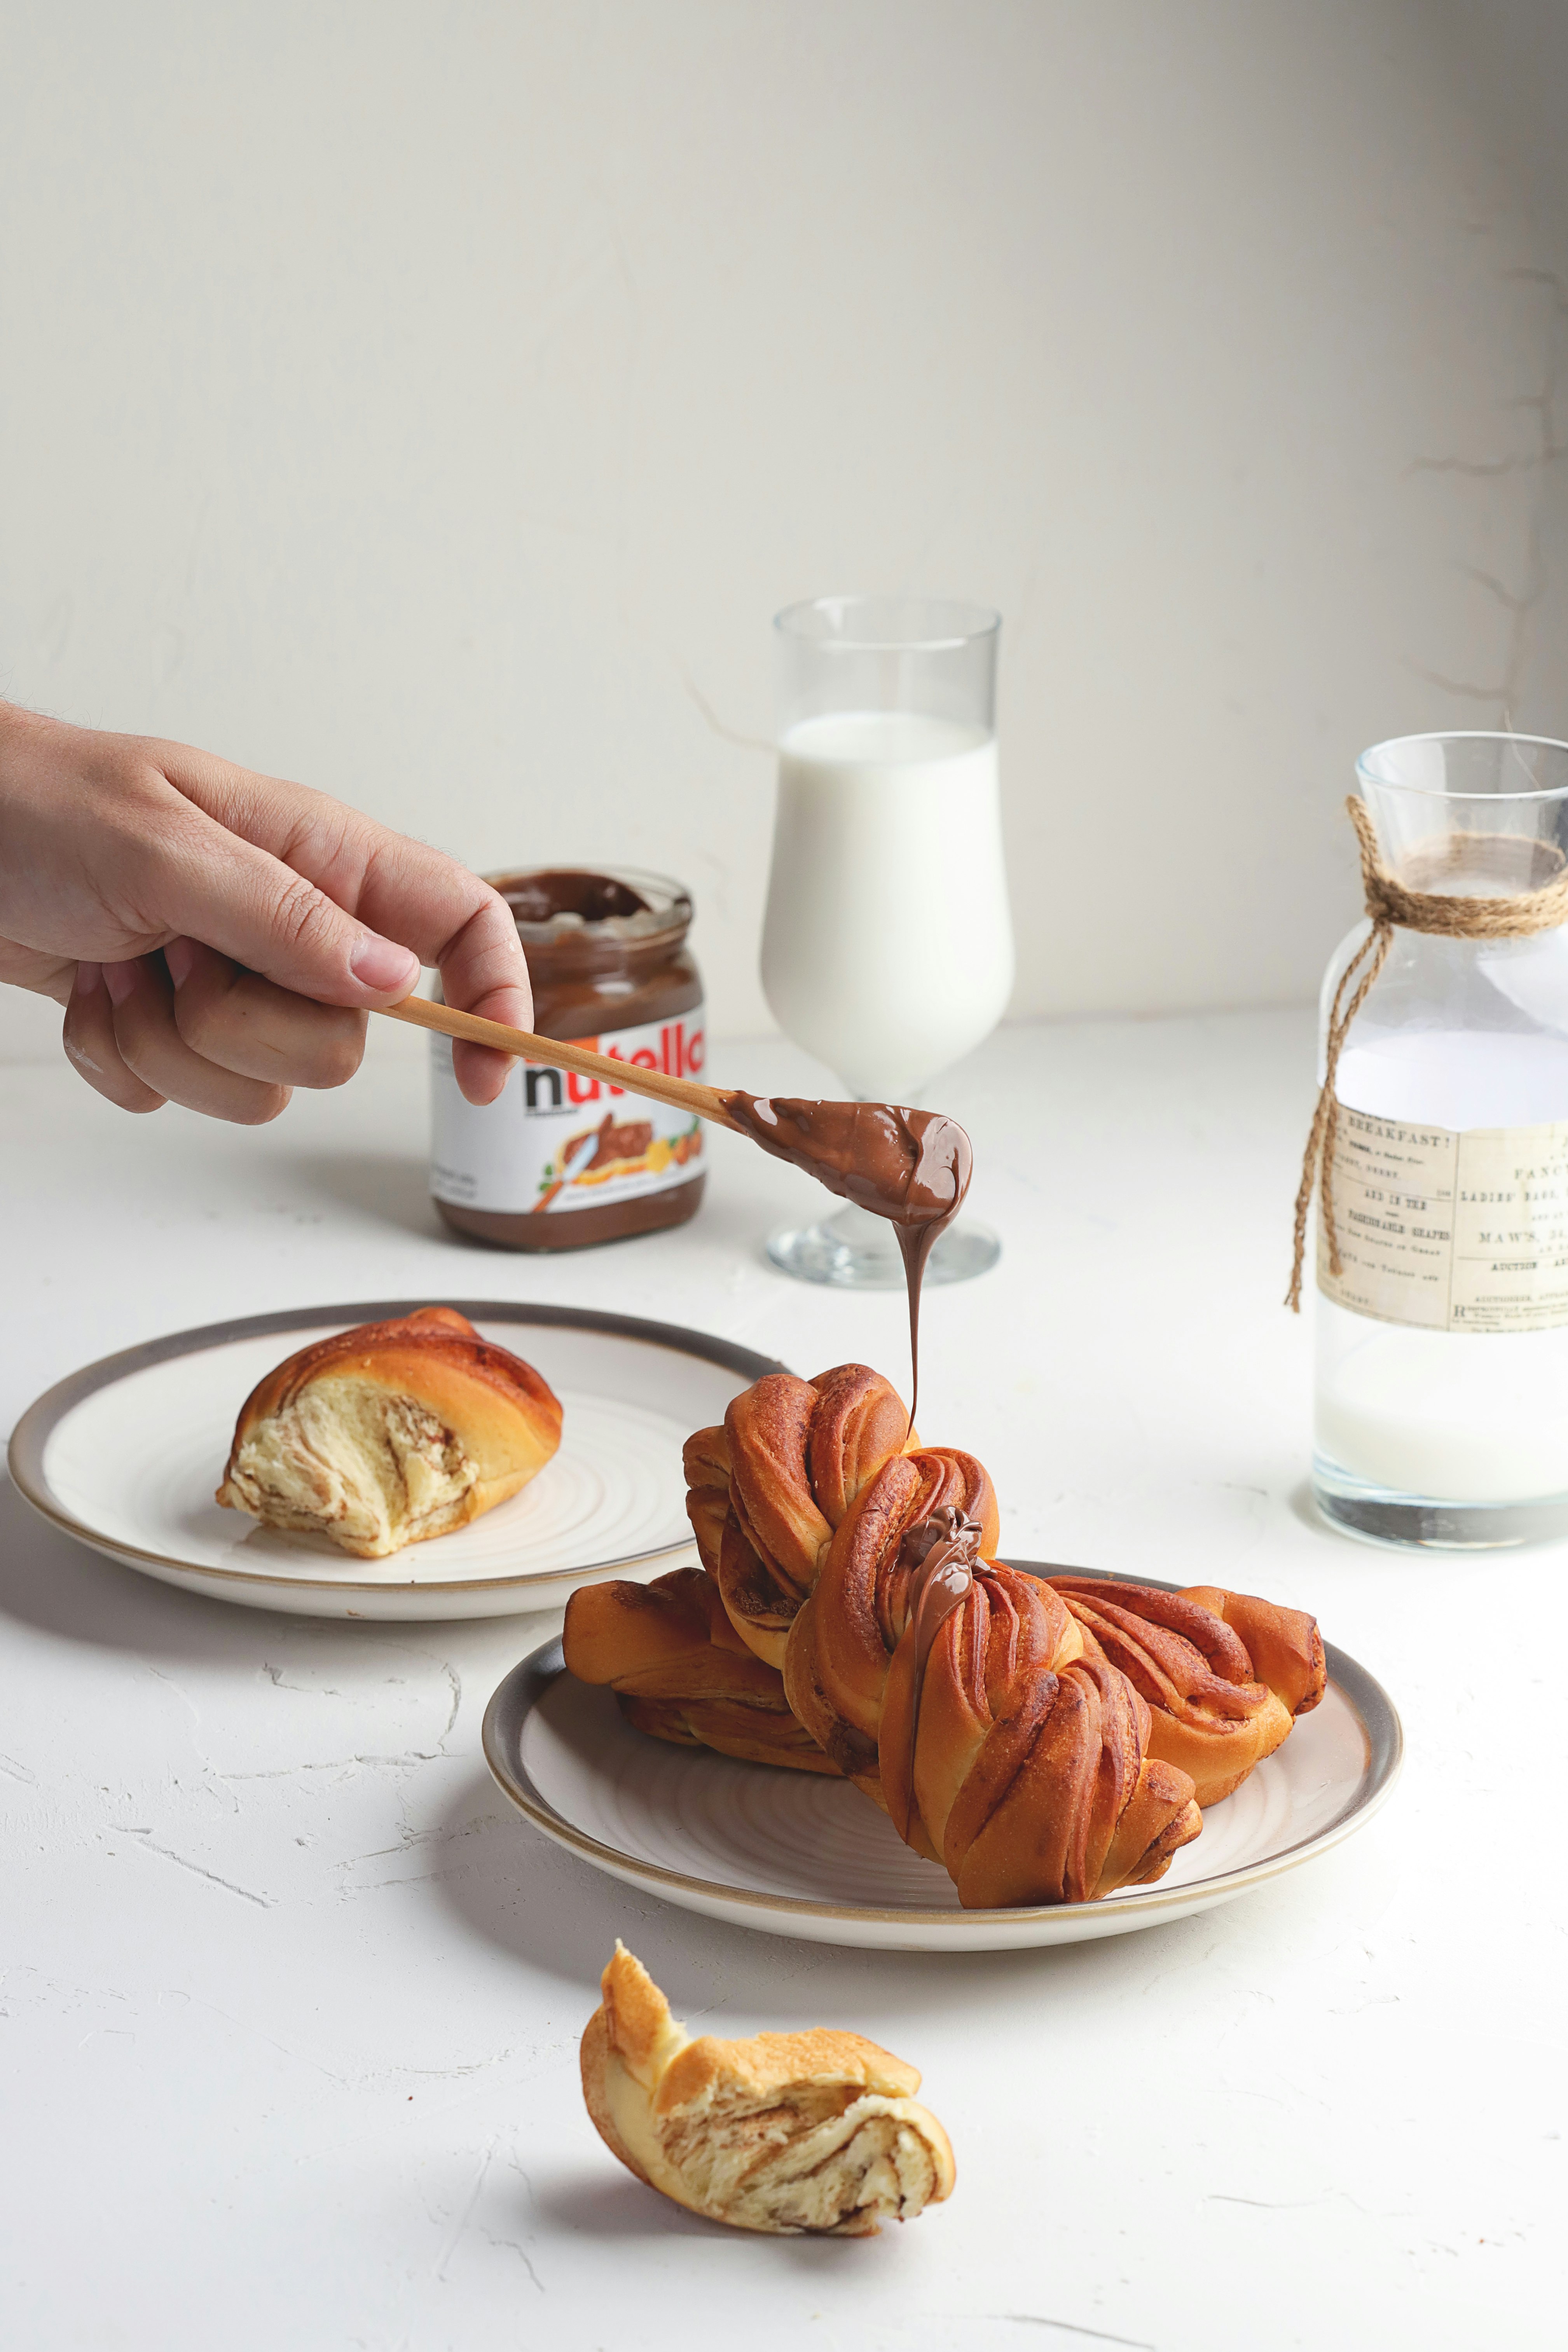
(484, 971)
(401, 888)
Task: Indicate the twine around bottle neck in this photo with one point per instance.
(1392, 905)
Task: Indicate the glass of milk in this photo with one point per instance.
(887, 947)
(1442, 1350)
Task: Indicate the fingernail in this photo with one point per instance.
(88, 977)
(382, 963)
(179, 956)
(120, 979)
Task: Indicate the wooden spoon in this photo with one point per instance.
(683, 1094)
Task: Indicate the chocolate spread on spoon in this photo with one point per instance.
(912, 1167)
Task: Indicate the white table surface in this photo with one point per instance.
(289, 1999)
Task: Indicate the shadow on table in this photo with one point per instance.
(554, 1911)
(50, 1581)
(393, 1189)
(599, 2205)
(616, 2206)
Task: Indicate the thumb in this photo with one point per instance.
(223, 890)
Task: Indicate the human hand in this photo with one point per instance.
(216, 937)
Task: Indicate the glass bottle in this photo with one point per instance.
(1442, 1346)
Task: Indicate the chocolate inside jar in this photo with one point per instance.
(560, 898)
(608, 957)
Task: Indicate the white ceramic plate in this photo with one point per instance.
(813, 1858)
(125, 1455)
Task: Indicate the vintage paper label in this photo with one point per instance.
(1449, 1231)
(554, 1141)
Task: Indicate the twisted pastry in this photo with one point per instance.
(390, 1434)
(972, 1705)
(1044, 1741)
(765, 1491)
(1225, 1675)
(784, 2133)
(681, 1672)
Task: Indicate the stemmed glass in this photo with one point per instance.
(887, 946)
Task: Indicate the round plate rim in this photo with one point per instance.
(521, 1690)
(25, 1454)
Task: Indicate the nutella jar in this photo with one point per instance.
(561, 1161)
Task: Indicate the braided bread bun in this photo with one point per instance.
(390, 1434)
(1002, 1741)
(1007, 1749)
(1047, 1742)
(786, 2133)
(1225, 1675)
(680, 1671)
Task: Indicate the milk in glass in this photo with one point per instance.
(887, 950)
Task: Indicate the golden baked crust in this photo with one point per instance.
(681, 1673)
(390, 1434)
(1223, 1674)
(1284, 1644)
(1010, 1748)
(783, 2133)
(766, 1490)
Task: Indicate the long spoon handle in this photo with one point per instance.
(683, 1094)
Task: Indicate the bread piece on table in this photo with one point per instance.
(786, 2133)
(390, 1434)
(681, 1673)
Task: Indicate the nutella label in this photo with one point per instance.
(554, 1141)
(1449, 1231)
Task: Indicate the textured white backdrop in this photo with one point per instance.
(435, 405)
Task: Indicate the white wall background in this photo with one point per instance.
(434, 404)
